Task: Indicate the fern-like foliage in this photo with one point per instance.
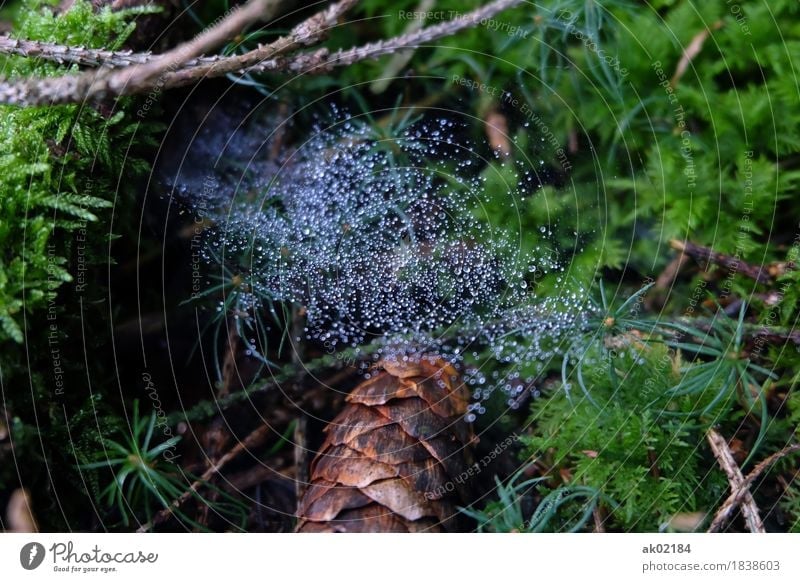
(58, 164)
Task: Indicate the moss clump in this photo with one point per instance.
(59, 164)
(62, 169)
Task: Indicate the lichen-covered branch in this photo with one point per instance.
(306, 33)
(140, 77)
(65, 54)
(320, 61)
(185, 65)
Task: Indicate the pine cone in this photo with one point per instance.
(394, 459)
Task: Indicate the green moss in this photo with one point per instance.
(62, 169)
(59, 164)
(651, 465)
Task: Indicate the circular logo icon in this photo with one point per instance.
(31, 555)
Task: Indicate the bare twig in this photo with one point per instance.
(671, 271)
(774, 336)
(254, 439)
(321, 60)
(64, 54)
(184, 65)
(598, 520)
(738, 495)
(732, 264)
(306, 33)
(139, 77)
(773, 458)
(401, 59)
(209, 39)
(737, 481)
(253, 476)
(665, 281)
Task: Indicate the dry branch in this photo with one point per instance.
(739, 495)
(184, 65)
(71, 55)
(725, 459)
(320, 61)
(732, 264)
(135, 78)
(399, 60)
(306, 33)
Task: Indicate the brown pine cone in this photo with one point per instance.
(395, 458)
